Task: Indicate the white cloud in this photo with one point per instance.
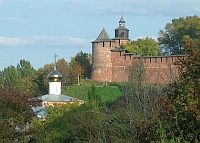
(57, 40)
(43, 40)
(14, 41)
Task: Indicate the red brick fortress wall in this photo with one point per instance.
(159, 69)
(121, 63)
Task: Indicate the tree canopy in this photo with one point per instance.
(177, 117)
(80, 65)
(146, 47)
(15, 115)
(25, 68)
(12, 77)
(178, 33)
(23, 78)
(64, 68)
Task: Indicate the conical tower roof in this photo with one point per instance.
(103, 36)
(122, 19)
(121, 24)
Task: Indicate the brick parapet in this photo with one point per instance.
(159, 69)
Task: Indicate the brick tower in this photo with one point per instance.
(102, 54)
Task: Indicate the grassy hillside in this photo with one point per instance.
(108, 93)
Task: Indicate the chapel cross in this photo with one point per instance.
(55, 57)
(55, 61)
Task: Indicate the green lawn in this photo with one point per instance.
(108, 93)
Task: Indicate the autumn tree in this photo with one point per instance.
(180, 107)
(80, 65)
(43, 73)
(146, 47)
(178, 33)
(15, 116)
(178, 111)
(64, 68)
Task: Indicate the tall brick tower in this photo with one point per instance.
(102, 52)
(101, 57)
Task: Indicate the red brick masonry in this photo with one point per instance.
(113, 66)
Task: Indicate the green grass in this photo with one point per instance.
(108, 93)
(89, 82)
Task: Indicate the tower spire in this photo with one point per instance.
(55, 61)
(122, 22)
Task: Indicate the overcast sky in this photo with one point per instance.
(36, 29)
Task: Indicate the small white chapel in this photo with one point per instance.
(54, 96)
